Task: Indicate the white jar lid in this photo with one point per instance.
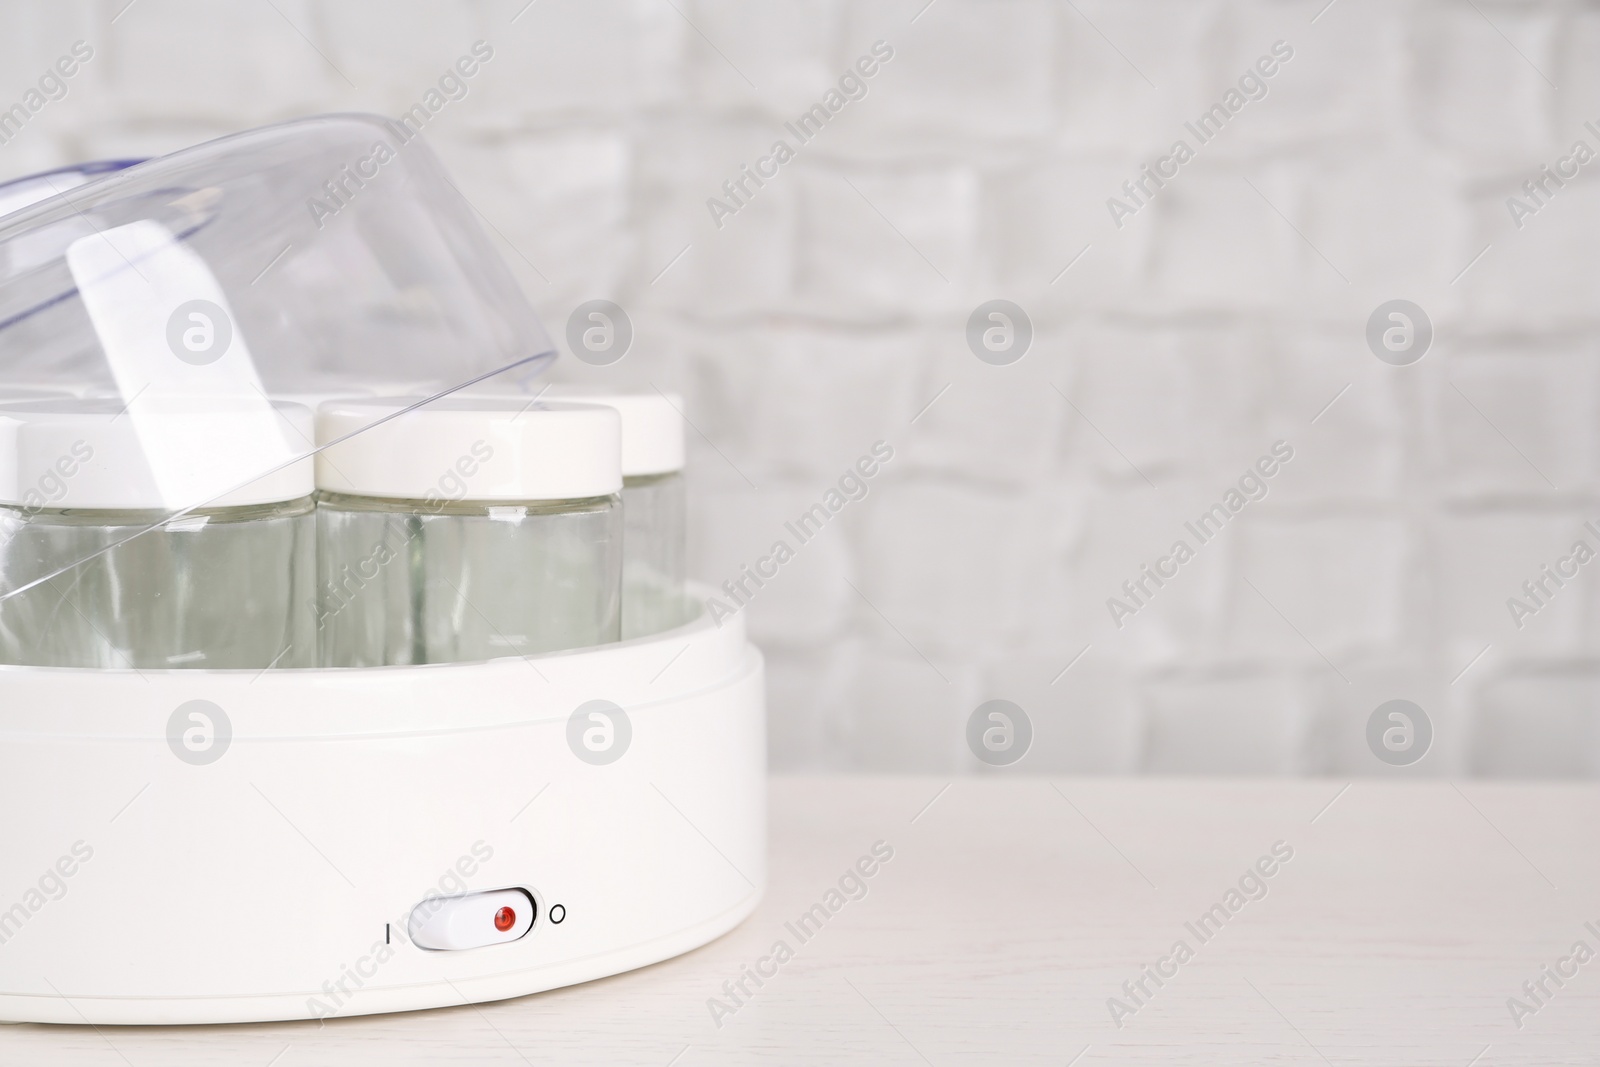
(166, 455)
(468, 448)
(652, 428)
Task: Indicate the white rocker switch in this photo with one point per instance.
(471, 921)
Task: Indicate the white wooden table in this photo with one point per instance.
(1014, 907)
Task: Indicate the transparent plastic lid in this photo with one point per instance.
(312, 259)
(22, 192)
(188, 302)
(318, 255)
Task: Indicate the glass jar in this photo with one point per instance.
(655, 514)
(654, 505)
(107, 561)
(464, 530)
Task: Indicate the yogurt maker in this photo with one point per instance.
(198, 831)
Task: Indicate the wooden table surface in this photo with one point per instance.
(1014, 909)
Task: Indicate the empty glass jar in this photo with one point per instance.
(654, 505)
(145, 536)
(466, 529)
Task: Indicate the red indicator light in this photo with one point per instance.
(505, 919)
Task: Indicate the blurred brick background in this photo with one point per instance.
(1223, 317)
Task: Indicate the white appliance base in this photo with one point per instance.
(161, 1011)
(270, 874)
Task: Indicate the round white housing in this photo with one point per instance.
(234, 846)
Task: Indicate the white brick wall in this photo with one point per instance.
(1220, 318)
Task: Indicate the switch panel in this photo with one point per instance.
(472, 921)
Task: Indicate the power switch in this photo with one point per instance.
(472, 921)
